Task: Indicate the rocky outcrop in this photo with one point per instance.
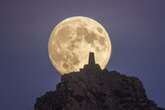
(96, 89)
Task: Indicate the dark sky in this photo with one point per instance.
(137, 29)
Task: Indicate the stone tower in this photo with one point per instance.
(91, 60)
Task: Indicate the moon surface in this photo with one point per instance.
(73, 39)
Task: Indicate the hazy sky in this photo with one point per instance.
(137, 29)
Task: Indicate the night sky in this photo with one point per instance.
(137, 32)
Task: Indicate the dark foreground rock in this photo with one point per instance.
(96, 89)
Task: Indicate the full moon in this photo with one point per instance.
(73, 39)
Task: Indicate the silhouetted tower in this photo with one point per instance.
(91, 60)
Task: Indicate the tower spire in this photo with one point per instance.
(91, 60)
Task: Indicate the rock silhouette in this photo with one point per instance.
(96, 89)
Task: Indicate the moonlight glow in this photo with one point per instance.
(73, 39)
